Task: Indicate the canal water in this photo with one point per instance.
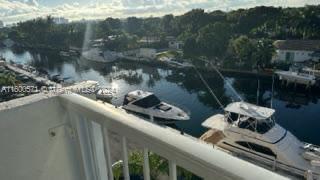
(297, 110)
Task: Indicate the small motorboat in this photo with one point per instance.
(64, 54)
(148, 105)
(57, 78)
(104, 94)
(97, 55)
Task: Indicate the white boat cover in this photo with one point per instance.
(250, 110)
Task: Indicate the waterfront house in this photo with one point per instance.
(176, 45)
(295, 50)
(149, 39)
(148, 53)
(173, 43)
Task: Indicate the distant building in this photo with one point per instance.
(178, 45)
(1, 24)
(97, 42)
(147, 53)
(173, 43)
(149, 39)
(11, 25)
(296, 50)
(60, 20)
(170, 38)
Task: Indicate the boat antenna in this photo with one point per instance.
(258, 91)
(227, 82)
(208, 87)
(272, 91)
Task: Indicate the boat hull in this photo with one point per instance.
(160, 120)
(295, 78)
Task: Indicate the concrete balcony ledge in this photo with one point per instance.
(53, 137)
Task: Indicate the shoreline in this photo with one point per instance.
(157, 63)
(206, 69)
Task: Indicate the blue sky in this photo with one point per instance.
(20, 10)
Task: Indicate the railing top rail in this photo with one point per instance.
(195, 156)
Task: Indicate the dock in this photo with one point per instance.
(33, 76)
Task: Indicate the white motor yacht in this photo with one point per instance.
(147, 104)
(296, 76)
(249, 131)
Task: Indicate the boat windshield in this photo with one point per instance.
(148, 102)
(259, 126)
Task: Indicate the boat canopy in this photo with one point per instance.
(250, 110)
(139, 94)
(148, 102)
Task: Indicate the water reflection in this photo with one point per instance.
(296, 109)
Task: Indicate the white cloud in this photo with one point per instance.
(19, 10)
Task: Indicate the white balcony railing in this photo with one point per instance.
(94, 121)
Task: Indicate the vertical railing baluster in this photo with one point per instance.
(172, 170)
(86, 148)
(107, 151)
(125, 159)
(146, 167)
(93, 149)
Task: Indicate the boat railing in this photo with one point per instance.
(197, 157)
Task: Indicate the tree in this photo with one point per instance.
(193, 20)
(159, 166)
(134, 26)
(8, 79)
(110, 26)
(213, 39)
(168, 24)
(190, 48)
(243, 48)
(253, 53)
(264, 52)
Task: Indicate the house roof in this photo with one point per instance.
(301, 45)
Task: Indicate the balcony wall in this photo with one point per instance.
(68, 137)
(35, 142)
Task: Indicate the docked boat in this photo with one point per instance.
(148, 105)
(104, 94)
(64, 54)
(296, 76)
(175, 62)
(96, 55)
(179, 64)
(316, 73)
(56, 78)
(250, 132)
